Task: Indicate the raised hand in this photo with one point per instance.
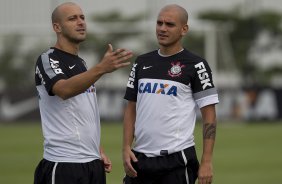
(114, 60)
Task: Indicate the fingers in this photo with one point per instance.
(205, 180)
(119, 52)
(133, 157)
(205, 175)
(108, 167)
(121, 65)
(122, 54)
(110, 48)
(112, 52)
(114, 60)
(129, 159)
(129, 170)
(120, 58)
(107, 162)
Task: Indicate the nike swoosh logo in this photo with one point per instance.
(11, 111)
(147, 67)
(71, 67)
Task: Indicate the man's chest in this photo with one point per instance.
(180, 71)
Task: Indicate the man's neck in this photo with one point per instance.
(68, 47)
(168, 51)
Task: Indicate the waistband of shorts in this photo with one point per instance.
(71, 162)
(189, 152)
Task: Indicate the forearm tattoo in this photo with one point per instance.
(209, 130)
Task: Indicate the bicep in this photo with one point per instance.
(208, 113)
(130, 110)
(60, 89)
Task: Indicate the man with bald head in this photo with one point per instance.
(164, 89)
(68, 105)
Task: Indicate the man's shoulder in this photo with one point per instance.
(193, 56)
(48, 52)
(43, 54)
(47, 55)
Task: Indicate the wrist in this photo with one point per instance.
(126, 147)
(206, 159)
(98, 70)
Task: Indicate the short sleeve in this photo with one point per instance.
(132, 84)
(48, 71)
(204, 91)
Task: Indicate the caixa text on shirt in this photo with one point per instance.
(157, 88)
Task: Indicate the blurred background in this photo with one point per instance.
(241, 40)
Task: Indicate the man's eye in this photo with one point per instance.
(170, 24)
(159, 23)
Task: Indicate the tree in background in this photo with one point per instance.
(118, 29)
(129, 29)
(16, 66)
(244, 32)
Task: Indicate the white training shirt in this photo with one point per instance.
(167, 92)
(71, 128)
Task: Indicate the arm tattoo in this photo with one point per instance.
(209, 130)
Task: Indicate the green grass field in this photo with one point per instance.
(244, 153)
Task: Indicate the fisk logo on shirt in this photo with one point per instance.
(130, 82)
(203, 75)
(157, 88)
(55, 66)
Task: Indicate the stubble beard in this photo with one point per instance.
(75, 40)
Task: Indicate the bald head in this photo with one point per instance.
(183, 15)
(57, 13)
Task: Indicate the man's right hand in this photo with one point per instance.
(114, 60)
(129, 156)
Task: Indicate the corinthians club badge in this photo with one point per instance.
(175, 70)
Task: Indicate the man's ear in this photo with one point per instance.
(57, 27)
(185, 29)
